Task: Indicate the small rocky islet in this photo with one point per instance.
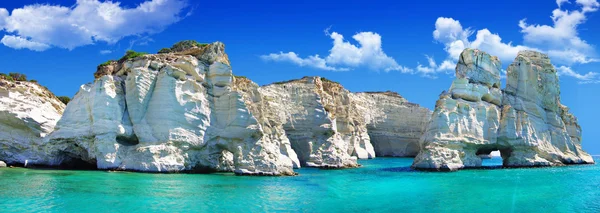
(183, 110)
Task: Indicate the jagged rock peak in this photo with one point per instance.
(479, 67)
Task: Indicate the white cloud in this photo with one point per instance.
(105, 52)
(432, 68)
(17, 42)
(588, 5)
(312, 61)
(560, 41)
(89, 21)
(560, 2)
(455, 39)
(3, 16)
(590, 77)
(447, 65)
(346, 56)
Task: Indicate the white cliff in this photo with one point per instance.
(538, 128)
(28, 112)
(168, 113)
(311, 124)
(184, 111)
(394, 124)
(526, 123)
(319, 113)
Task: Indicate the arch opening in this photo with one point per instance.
(493, 157)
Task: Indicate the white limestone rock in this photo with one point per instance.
(466, 119)
(168, 113)
(526, 123)
(320, 113)
(538, 128)
(393, 124)
(28, 112)
(308, 117)
(2, 164)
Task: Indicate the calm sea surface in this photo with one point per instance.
(381, 185)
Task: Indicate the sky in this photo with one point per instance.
(410, 47)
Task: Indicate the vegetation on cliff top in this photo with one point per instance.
(183, 45)
(64, 99)
(14, 76)
(306, 77)
(130, 54)
(177, 47)
(106, 63)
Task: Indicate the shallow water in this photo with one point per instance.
(381, 185)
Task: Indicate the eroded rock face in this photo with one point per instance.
(527, 123)
(320, 116)
(538, 128)
(393, 124)
(168, 113)
(317, 120)
(28, 113)
(466, 118)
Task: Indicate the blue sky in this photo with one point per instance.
(60, 43)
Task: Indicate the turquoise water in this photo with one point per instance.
(381, 185)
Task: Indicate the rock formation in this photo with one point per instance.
(169, 113)
(28, 113)
(526, 122)
(308, 116)
(394, 124)
(183, 110)
(539, 130)
(315, 110)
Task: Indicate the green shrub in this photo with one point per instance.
(186, 44)
(18, 76)
(105, 63)
(164, 50)
(33, 81)
(130, 54)
(9, 78)
(64, 99)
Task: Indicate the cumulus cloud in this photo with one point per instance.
(590, 77)
(311, 61)
(457, 39)
(345, 56)
(560, 41)
(432, 68)
(86, 22)
(17, 42)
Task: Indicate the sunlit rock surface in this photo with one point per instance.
(169, 113)
(393, 124)
(28, 113)
(526, 123)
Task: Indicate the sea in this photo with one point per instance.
(380, 185)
